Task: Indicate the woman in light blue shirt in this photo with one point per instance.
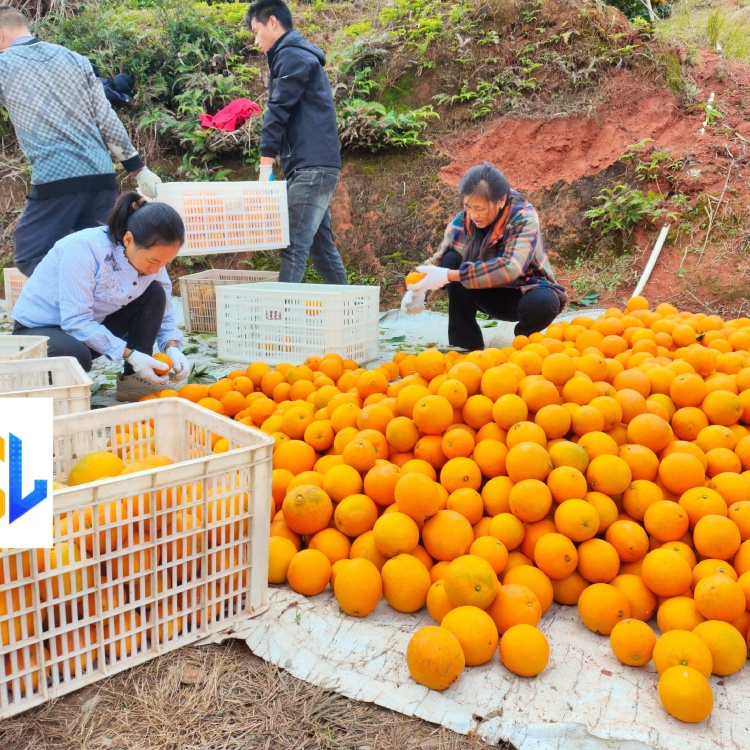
(105, 291)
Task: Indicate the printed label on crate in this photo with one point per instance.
(26, 473)
(274, 313)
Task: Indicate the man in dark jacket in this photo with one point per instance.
(299, 126)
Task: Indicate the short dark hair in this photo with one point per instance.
(149, 223)
(262, 10)
(484, 181)
(12, 18)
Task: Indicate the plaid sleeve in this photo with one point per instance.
(450, 239)
(519, 245)
(113, 132)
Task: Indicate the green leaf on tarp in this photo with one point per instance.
(395, 339)
(590, 298)
(491, 324)
(190, 350)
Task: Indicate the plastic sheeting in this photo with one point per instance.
(584, 699)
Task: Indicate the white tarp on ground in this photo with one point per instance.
(584, 699)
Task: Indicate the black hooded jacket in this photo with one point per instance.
(300, 122)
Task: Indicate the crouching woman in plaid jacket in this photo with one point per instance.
(492, 259)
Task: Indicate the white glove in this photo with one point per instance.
(147, 182)
(412, 303)
(180, 364)
(436, 278)
(144, 366)
(265, 172)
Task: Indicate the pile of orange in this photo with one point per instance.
(131, 536)
(604, 463)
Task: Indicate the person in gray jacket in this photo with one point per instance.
(69, 133)
(300, 126)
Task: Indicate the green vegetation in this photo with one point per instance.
(700, 24)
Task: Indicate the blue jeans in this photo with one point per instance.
(309, 195)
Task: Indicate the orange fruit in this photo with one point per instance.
(718, 597)
(568, 590)
(508, 529)
(490, 456)
(332, 543)
(166, 363)
(555, 555)
(535, 579)
(341, 481)
(280, 553)
(530, 500)
(468, 503)
(722, 407)
(666, 572)
(576, 519)
(434, 657)
(685, 694)
(528, 460)
(475, 631)
(438, 604)
(601, 606)
(417, 496)
(355, 515)
(395, 533)
(381, 481)
(513, 604)
(682, 648)
(405, 582)
(309, 572)
(447, 535)
(701, 501)
(678, 613)
(432, 414)
(609, 474)
(358, 587)
(524, 650)
(629, 539)
(458, 473)
(364, 546)
(680, 472)
(492, 550)
(632, 642)
(598, 561)
(666, 520)
(295, 456)
(642, 600)
(727, 646)
(716, 536)
(470, 580)
(307, 509)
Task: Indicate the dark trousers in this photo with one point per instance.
(47, 220)
(309, 194)
(137, 323)
(534, 310)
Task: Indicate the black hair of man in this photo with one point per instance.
(262, 10)
(11, 18)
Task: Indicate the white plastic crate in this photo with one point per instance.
(198, 293)
(13, 281)
(290, 322)
(59, 378)
(161, 558)
(229, 217)
(22, 347)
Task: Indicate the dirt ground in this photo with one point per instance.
(561, 162)
(218, 697)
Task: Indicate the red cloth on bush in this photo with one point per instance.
(232, 116)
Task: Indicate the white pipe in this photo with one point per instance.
(651, 261)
